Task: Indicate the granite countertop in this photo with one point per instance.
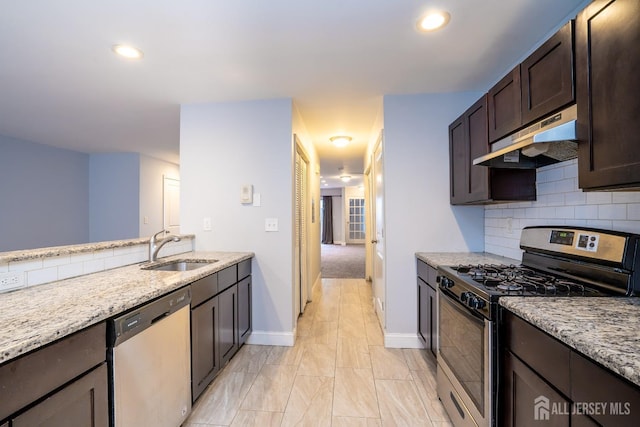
(435, 259)
(603, 329)
(35, 316)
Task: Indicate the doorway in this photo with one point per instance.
(343, 221)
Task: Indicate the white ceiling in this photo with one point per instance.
(60, 84)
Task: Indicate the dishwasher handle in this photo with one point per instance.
(133, 322)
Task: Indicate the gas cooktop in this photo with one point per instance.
(518, 280)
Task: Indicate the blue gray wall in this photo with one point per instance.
(114, 206)
(44, 195)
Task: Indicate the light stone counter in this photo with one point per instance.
(36, 316)
(435, 259)
(604, 329)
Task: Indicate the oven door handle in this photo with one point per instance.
(463, 309)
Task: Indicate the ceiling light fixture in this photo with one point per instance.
(340, 141)
(128, 52)
(345, 178)
(433, 21)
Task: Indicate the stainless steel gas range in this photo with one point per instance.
(557, 261)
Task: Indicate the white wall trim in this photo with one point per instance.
(316, 283)
(286, 339)
(402, 341)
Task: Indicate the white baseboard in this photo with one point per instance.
(318, 282)
(286, 339)
(402, 341)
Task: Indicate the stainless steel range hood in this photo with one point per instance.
(549, 141)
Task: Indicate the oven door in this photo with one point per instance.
(464, 378)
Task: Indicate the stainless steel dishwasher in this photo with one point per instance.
(150, 368)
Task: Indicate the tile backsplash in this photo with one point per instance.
(41, 270)
(559, 202)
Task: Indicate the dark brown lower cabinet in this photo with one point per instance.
(244, 309)
(593, 383)
(527, 397)
(228, 323)
(427, 322)
(427, 307)
(220, 322)
(82, 403)
(542, 377)
(204, 346)
(61, 384)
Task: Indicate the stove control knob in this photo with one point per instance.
(477, 303)
(465, 296)
(446, 282)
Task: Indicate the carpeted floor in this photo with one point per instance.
(342, 262)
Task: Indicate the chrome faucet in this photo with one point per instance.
(154, 246)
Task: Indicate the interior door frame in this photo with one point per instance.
(377, 227)
(368, 230)
(302, 256)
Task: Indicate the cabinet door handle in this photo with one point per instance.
(374, 241)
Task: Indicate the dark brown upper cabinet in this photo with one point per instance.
(458, 155)
(608, 88)
(504, 106)
(547, 76)
(468, 139)
(539, 86)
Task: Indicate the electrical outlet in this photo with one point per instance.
(271, 224)
(206, 224)
(11, 280)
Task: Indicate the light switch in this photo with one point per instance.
(246, 194)
(271, 224)
(206, 224)
(256, 199)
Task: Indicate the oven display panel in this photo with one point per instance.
(562, 237)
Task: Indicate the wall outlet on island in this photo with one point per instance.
(11, 280)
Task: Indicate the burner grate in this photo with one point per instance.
(518, 280)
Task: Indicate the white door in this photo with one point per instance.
(370, 248)
(171, 205)
(355, 220)
(378, 228)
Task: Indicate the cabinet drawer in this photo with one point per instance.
(427, 273)
(592, 383)
(244, 269)
(203, 289)
(81, 403)
(543, 353)
(34, 375)
(227, 277)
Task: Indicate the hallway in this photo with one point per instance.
(337, 374)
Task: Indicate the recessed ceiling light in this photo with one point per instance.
(433, 21)
(129, 52)
(340, 141)
(345, 178)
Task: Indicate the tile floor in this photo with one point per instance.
(337, 374)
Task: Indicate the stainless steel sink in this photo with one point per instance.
(180, 265)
